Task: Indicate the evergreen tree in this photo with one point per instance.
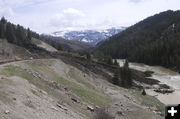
(2, 30)
(21, 36)
(125, 75)
(88, 56)
(143, 92)
(116, 77)
(59, 47)
(10, 33)
(3, 20)
(116, 63)
(126, 64)
(109, 60)
(153, 41)
(29, 34)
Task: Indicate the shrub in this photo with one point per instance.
(102, 113)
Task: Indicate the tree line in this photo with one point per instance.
(15, 34)
(154, 41)
(122, 76)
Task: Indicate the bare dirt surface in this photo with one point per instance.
(52, 89)
(28, 102)
(47, 47)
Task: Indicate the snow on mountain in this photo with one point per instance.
(89, 36)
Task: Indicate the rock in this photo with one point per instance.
(119, 113)
(66, 89)
(153, 108)
(117, 104)
(54, 108)
(164, 91)
(75, 100)
(164, 86)
(148, 73)
(7, 112)
(62, 107)
(90, 108)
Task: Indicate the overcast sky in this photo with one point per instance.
(45, 16)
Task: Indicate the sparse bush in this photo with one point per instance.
(102, 113)
(143, 92)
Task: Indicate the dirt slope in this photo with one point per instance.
(51, 89)
(44, 45)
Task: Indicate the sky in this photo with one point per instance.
(46, 16)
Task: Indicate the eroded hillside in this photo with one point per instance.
(50, 88)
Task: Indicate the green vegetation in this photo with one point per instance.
(88, 56)
(122, 76)
(115, 63)
(154, 41)
(14, 98)
(11, 70)
(75, 75)
(86, 93)
(18, 35)
(149, 101)
(116, 77)
(15, 34)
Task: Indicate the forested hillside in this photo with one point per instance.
(15, 34)
(154, 41)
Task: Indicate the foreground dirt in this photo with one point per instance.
(52, 89)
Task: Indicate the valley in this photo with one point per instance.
(165, 76)
(60, 71)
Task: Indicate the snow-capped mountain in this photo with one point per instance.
(89, 36)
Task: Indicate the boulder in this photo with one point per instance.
(90, 108)
(7, 112)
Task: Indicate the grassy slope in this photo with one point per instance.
(86, 92)
(78, 86)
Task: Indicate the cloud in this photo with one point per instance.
(137, 1)
(67, 18)
(6, 12)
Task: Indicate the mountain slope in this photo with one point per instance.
(44, 85)
(154, 41)
(46, 88)
(88, 36)
(66, 45)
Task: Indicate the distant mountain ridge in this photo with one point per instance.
(91, 37)
(154, 40)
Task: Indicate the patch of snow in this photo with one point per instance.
(84, 40)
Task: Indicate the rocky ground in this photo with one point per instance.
(53, 89)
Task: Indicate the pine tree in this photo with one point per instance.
(126, 64)
(125, 76)
(116, 63)
(109, 60)
(20, 35)
(29, 35)
(143, 92)
(116, 77)
(88, 56)
(3, 20)
(10, 33)
(2, 30)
